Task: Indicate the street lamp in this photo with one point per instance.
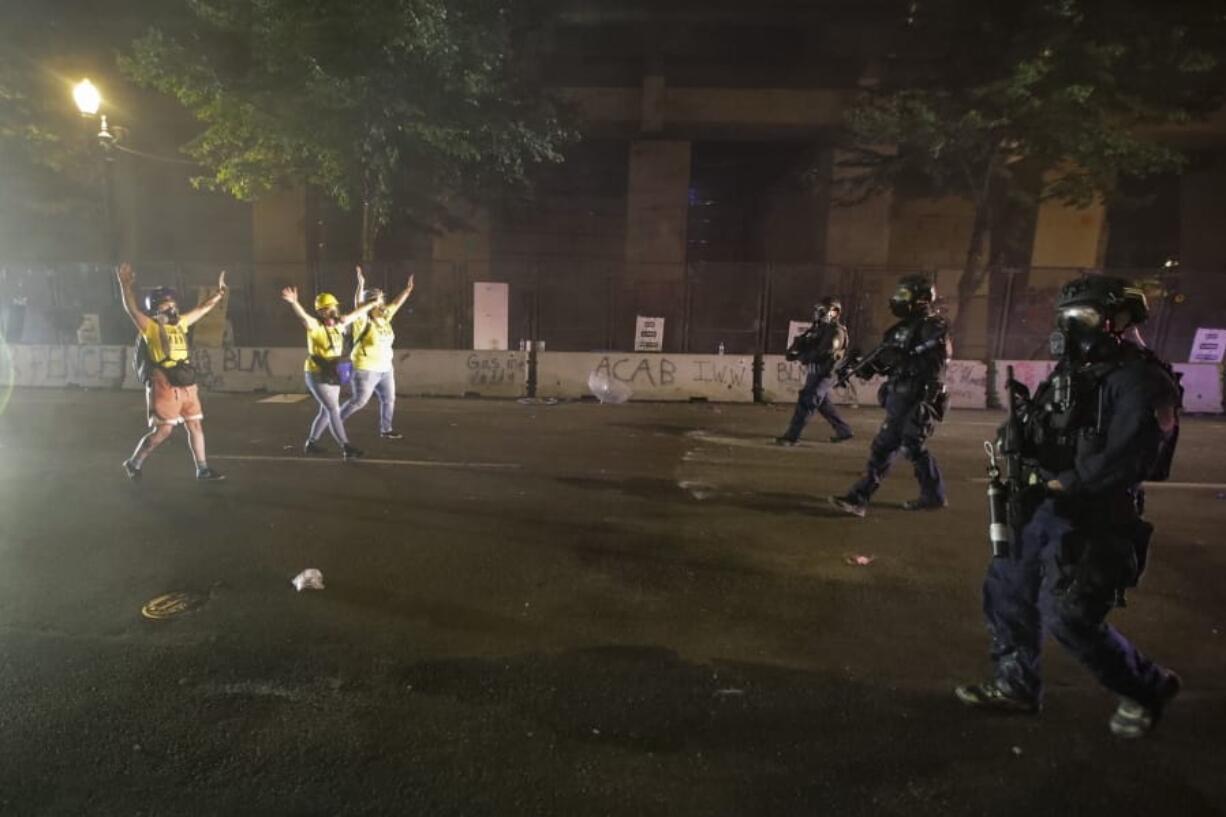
(89, 100)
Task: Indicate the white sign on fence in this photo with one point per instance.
(491, 309)
(1208, 346)
(648, 334)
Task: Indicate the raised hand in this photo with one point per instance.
(125, 274)
(409, 286)
(290, 295)
(221, 280)
(361, 276)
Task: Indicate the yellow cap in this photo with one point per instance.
(324, 300)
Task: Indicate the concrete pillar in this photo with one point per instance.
(857, 234)
(279, 237)
(657, 212)
(1066, 237)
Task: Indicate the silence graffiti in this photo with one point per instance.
(59, 366)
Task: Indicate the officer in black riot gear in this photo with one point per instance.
(912, 355)
(820, 348)
(1103, 422)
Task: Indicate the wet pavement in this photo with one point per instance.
(571, 609)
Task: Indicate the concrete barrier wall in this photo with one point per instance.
(1202, 387)
(727, 378)
(455, 373)
(1202, 382)
(781, 380)
(95, 367)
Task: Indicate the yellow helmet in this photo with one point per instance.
(325, 300)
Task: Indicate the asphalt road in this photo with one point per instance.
(565, 610)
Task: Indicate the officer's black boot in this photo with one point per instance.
(1136, 720)
(990, 695)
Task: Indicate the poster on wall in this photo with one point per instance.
(648, 334)
(1208, 346)
(491, 309)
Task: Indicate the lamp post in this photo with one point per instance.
(89, 100)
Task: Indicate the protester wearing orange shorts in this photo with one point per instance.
(170, 388)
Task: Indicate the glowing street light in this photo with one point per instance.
(88, 97)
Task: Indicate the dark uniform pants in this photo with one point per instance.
(908, 425)
(1026, 597)
(815, 397)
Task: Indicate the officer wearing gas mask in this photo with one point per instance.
(1103, 422)
(912, 355)
(819, 348)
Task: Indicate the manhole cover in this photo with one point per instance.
(171, 605)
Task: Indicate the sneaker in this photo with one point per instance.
(841, 438)
(131, 469)
(209, 475)
(1135, 720)
(924, 504)
(989, 695)
(313, 447)
(849, 505)
(391, 435)
(351, 453)
(785, 441)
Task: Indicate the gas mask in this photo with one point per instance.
(168, 316)
(903, 303)
(1083, 335)
(825, 315)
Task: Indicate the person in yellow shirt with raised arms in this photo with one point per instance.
(327, 366)
(164, 364)
(373, 356)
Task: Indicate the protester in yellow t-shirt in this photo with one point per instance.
(326, 365)
(170, 389)
(372, 355)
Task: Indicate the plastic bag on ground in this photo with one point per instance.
(309, 579)
(607, 389)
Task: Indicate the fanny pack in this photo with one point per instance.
(180, 376)
(335, 371)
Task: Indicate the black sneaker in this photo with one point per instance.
(785, 441)
(391, 435)
(313, 447)
(131, 469)
(841, 438)
(989, 695)
(351, 453)
(1135, 720)
(849, 505)
(924, 505)
(209, 475)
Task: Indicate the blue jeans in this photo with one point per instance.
(382, 384)
(908, 425)
(815, 397)
(1027, 597)
(329, 415)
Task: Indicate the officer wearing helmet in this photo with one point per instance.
(327, 366)
(1106, 420)
(819, 348)
(912, 355)
(163, 363)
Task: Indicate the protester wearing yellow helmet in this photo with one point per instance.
(327, 366)
(373, 356)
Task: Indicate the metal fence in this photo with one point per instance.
(581, 304)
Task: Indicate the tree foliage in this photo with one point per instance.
(395, 104)
(1051, 99)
